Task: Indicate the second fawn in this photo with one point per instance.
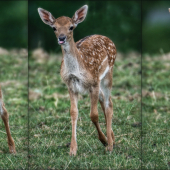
(5, 118)
(86, 66)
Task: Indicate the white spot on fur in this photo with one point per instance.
(104, 60)
(109, 48)
(104, 73)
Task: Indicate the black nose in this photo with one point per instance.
(62, 37)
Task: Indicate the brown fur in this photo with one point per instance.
(94, 50)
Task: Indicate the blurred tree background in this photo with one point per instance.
(155, 27)
(13, 24)
(119, 20)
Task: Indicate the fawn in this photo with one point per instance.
(5, 118)
(86, 66)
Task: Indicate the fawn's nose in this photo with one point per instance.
(62, 37)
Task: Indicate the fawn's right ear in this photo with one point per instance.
(46, 16)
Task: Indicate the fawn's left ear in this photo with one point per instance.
(46, 16)
(80, 15)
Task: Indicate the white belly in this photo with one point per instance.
(77, 86)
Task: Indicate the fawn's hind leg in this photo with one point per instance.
(101, 100)
(107, 106)
(94, 95)
(5, 118)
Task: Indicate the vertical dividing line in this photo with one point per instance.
(141, 88)
(28, 84)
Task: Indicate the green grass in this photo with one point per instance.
(156, 112)
(50, 123)
(13, 80)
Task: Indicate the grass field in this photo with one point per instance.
(50, 123)
(13, 80)
(156, 112)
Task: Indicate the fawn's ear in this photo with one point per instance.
(46, 16)
(80, 15)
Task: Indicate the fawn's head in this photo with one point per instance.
(63, 26)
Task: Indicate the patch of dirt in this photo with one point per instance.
(21, 52)
(40, 55)
(132, 55)
(163, 57)
(3, 51)
(127, 97)
(9, 82)
(34, 95)
(152, 94)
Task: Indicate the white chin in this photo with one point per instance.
(62, 43)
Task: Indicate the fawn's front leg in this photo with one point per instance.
(74, 117)
(5, 118)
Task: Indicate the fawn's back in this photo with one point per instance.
(97, 52)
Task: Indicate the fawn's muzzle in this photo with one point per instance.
(62, 39)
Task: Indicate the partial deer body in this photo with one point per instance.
(5, 118)
(86, 67)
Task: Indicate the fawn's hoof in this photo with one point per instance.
(104, 143)
(73, 151)
(12, 149)
(109, 148)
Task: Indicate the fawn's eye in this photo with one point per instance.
(71, 28)
(54, 29)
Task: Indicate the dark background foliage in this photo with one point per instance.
(13, 24)
(119, 20)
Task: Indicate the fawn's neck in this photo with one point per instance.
(69, 48)
(70, 54)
